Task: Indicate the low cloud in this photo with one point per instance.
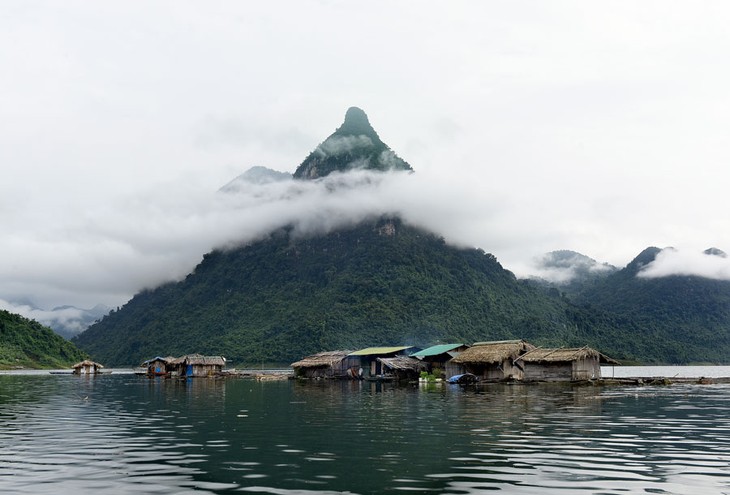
(66, 320)
(338, 145)
(105, 252)
(687, 262)
(560, 267)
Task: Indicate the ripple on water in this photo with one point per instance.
(133, 436)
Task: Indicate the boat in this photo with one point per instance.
(463, 379)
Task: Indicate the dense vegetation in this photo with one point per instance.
(380, 283)
(28, 344)
(679, 319)
(384, 283)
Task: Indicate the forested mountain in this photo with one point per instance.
(685, 318)
(27, 343)
(381, 282)
(571, 272)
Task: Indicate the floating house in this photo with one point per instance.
(86, 367)
(330, 364)
(438, 358)
(158, 366)
(496, 360)
(368, 362)
(193, 365)
(401, 367)
(563, 364)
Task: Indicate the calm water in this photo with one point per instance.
(119, 434)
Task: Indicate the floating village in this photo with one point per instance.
(510, 361)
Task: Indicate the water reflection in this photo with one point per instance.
(123, 434)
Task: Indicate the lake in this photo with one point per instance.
(119, 433)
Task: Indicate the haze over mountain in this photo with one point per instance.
(345, 276)
(303, 289)
(530, 133)
(26, 343)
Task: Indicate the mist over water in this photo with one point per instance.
(125, 434)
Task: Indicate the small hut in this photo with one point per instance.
(330, 364)
(494, 360)
(193, 365)
(563, 364)
(86, 367)
(438, 357)
(366, 363)
(401, 367)
(158, 366)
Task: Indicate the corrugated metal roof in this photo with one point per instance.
(379, 350)
(435, 350)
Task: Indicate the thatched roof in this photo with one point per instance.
(561, 355)
(321, 359)
(197, 359)
(86, 362)
(492, 352)
(168, 359)
(402, 363)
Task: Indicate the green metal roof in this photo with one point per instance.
(435, 350)
(379, 350)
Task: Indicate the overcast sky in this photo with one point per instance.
(532, 126)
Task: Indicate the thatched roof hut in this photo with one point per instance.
(198, 359)
(87, 366)
(198, 365)
(563, 364)
(493, 360)
(493, 352)
(543, 355)
(328, 364)
(327, 358)
(402, 363)
(401, 367)
(367, 361)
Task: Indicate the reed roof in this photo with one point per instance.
(86, 362)
(547, 355)
(492, 352)
(197, 359)
(402, 363)
(168, 359)
(321, 359)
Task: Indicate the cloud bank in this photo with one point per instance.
(712, 264)
(109, 253)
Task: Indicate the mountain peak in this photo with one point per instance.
(353, 146)
(357, 124)
(713, 251)
(644, 258)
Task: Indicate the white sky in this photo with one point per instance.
(600, 127)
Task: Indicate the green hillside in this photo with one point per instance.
(381, 283)
(674, 319)
(385, 283)
(28, 344)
